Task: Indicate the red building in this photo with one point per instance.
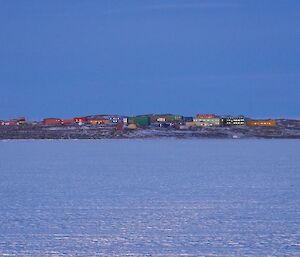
(120, 126)
(68, 122)
(14, 122)
(206, 116)
(11, 123)
(52, 121)
(80, 119)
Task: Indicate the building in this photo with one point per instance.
(105, 119)
(94, 122)
(165, 118)
(80, 120)
(166, 124)
(52, 121)
(115, 119)
(190, 124)
(206, 120)
(202, 122)
(132, 126)
(187, 119)
(20, 121)
(14, 122)
(68, 122)
(11, 123)
(177, 118)
(233, 121)
(120, 126)
(140, 120)
(98, 121)
(261, 123)
(206, 116)
(161, 119)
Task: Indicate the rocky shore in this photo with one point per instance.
(284, 129)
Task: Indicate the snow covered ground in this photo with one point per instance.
(150, 197)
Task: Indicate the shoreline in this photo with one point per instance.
(94, 132)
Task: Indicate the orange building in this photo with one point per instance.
(261, 123)
(98, 121)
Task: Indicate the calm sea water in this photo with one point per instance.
(151, 197)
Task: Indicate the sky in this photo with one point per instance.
(64, 58)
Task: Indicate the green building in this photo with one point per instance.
(139, 120)
(166, 118)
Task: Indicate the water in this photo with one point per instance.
(151, 197)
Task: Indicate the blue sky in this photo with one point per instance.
(64, 58)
